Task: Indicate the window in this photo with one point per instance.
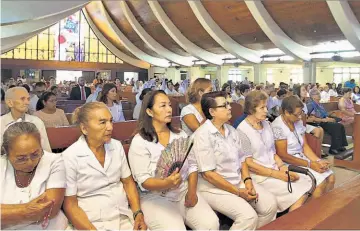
(235, 75)
(296, 75)
(343, 74)
(71, 39)
(184, 75)
(208, 76)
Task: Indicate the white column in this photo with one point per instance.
(309, 72)
(259, 74)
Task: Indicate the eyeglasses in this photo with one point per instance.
(227, 104)
(297, 115)
(33, 157)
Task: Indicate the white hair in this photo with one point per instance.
(10, 93)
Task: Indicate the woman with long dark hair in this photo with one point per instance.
(46, 110)
(167, 202)
(108, 96)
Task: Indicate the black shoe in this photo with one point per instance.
(324, 155)
(341, 149)
(333, 151)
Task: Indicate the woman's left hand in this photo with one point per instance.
(139, 223)
(191, 199)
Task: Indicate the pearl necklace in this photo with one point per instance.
(29, 180)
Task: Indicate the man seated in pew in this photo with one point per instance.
(192, 115)
(32, 181)
(137, 108)
(171, 201)
(18, 99)
(46, 110)
(330, 125)
(225, 182)
(300, 91)
(346, 107)
(80, 92)
(39, 89)
(99, 185)
(108, 96)
(292, 147)
(267, 168)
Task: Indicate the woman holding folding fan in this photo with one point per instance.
(168, 200)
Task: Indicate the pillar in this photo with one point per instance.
(309, 72)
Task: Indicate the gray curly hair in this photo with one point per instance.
(15, 130)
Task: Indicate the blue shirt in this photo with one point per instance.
(349, 84)
(239, 120)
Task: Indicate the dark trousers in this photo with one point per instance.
(337, 133)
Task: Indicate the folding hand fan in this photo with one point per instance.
(172, 157)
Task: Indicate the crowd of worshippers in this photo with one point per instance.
(239, 170)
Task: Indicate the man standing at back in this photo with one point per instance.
(350, 84)
(18, 100)
(80, 92)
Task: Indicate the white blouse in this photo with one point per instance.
(143, 158)
(223, 154)
(99, 191)
(188, 110)
(117, 112)
(50, 174)
(258, 144)
(137, 109)
(295, 140)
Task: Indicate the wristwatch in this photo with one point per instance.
(137, 213)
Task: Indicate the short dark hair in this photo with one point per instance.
(290, 104)
(347, 89)
(145, 127)
(243, 88)
(44, 97)
(281, 92)
(40, 84)
(2, 95)
(105, 90)
(253, 100)
(224, 86)
(26, 87)
(143, 93)
(208, 101)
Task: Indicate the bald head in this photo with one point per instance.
(11, 93)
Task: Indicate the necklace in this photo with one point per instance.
(28, 182)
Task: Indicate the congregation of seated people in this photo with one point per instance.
(238, 170)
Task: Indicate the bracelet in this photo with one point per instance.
(247, 178)
(137, 213)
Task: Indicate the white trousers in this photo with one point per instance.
(162, 214)
(246, 216)
(121, 223)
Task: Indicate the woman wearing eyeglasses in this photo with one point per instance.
(32, 181)
(292, 147)
(266, 166)
(225, 182)
(46, 110)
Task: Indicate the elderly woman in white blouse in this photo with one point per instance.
(168, 202)
(266, 166)
(99, 185)
(191, 115)
(225, 181)
(32, 181)
(292, 147)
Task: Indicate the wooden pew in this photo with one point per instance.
(337, 210)
(355, 163)
(236, 111)
(357, 107)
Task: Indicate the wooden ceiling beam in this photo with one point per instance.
(346, 20)
(150, 41)
(220, 36)
(275, 33)
(176, 35)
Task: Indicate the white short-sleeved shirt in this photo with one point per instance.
(236, 97)
(117, 112)
(99, 191)
(333, 93)
(7, 119)
(223, 154)
(187, 110)
(143, 158)
(325, 96)
(50, 174)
